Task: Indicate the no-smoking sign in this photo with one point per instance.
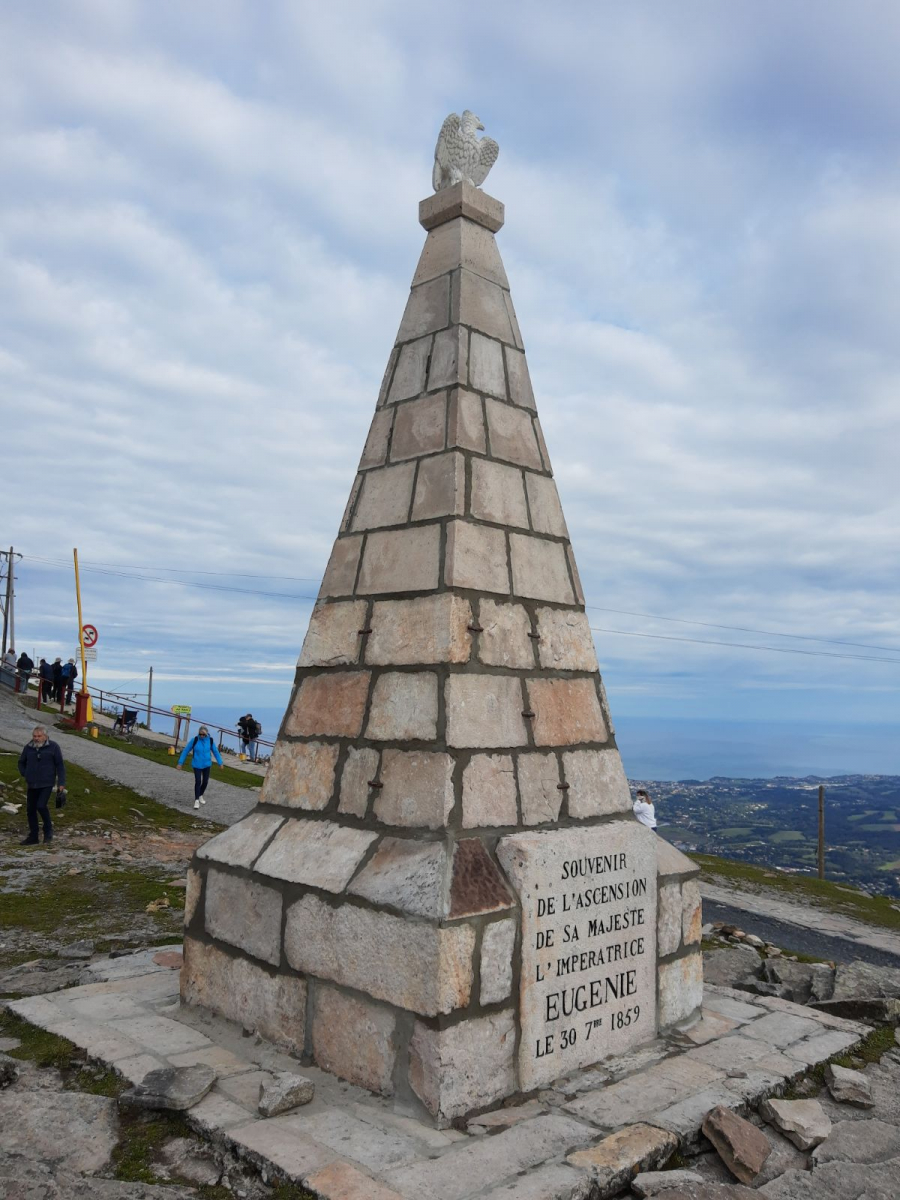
(89, 635)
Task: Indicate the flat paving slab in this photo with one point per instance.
(350, 1143)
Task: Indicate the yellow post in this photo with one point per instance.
(83, 710)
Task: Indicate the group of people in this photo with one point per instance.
(56, 679)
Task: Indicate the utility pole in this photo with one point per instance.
(7, 606)
(821, 831)
(149, 697)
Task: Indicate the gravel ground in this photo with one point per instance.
(225, 803)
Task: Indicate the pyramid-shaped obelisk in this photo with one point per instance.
(442, 894)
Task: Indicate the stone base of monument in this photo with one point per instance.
(583, 1136)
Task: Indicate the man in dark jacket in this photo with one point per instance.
(24, 666)
(41, 765)
(45, 677)
(70, 674)
(57, 680)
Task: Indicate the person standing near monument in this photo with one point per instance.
(42, 767)
(70, 674)
(45, 681)
(254, 730)
(643, 809)
(25, 666)
(201, 750)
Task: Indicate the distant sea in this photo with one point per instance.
(677, 748)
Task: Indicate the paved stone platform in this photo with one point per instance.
(350, 1145)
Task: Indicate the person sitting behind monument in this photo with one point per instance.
(644, 810)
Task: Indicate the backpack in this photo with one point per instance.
(254, 729)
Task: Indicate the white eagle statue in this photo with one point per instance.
(460, 155)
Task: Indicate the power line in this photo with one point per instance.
(667, 637)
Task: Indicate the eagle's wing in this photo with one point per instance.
(449, 140)
(488, 150)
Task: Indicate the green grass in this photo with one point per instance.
(874, 910)
(869, 1050)
(736, 831)
(786, 835)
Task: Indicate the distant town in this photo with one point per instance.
(774, 822)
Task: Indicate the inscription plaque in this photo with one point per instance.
(588, 976)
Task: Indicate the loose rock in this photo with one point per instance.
(802, 1121)
(176, 1088)
(868, 1141)
(82, 949)
(741, 1146)
(286, 1091)
(9, 1070)
(849, 1087)
(655, 1183)
(726, 967)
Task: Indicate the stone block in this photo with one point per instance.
(192, 894)
(849, 1087)
(375, 450)
(505, 641)
(417, 789)
(782, 1029)
(550, 871)
(341, 1181)
(543, 502)
(539, 569)
(576, 578)
(668, 918)
(670, 861)
(542, 445)
(520, 390)
(691, 914)
(419, 427)
(497, 946)
(511, 434)
(387, 377)
(477, 884)
(401, 560)
(489, 792)
(415, 966)
(465, 427)
(484, 711)
(566, 641)
(385, 497)
(405, 875)
(615, 1160)
(539, 788)
(802, 1122)
(240, 844)
(440, 487)
(244, 914)
(340, 574)
(481, 305)
(449, 358)
(331, 704)
(427, 310)
(680, 989)
(567, 711)
(360, 767)
(354, 1039)
(514, 321)
(498, 493)
(741, 1146)
(597, 783)
(300, 775)
(476, 558)
(332, 639)
(431, 629)
(460, 243)
(404, 707)
(351, 503)
(320, 854)
(409, 374)
(486, 373)
(468, 1066)
(461, 200)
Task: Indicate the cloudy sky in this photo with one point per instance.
(207, 232)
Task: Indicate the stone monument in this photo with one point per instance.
(443, 895)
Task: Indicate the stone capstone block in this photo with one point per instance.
(668, 919)
(375, 450)
(419, 428)
(597, 783)
(354, 1039)
(476, 558)
(417, 788)
(440, 487)
(419, 967)
(460, 243)
(497, 946)
(409, 374)
(463, 199)
(489, 791)
(404, 707)
(245, 992)
(466, 421)
(486, 371)
(539, 788)
(680, 989)
(543, 503)
(385, 497)
(332, 638)
(567, 711)
(320, 854)
(239, 845)
(670, 861)
(477, 884)
(511, 434)
(566, 641)
(244, 914)
(449, 358)
(520, 390)
(484, 711)
(361, 767)
(427, 309)
(405, 875)
(300, 775)
(431, 629)
(539, 569)
(331, 704)
(498, 493)
(401, 560)
(468, 1066)
(480, 304)
(691, 914)
(340, 574)
(505, 640)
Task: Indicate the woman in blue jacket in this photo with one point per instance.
(201, 750)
